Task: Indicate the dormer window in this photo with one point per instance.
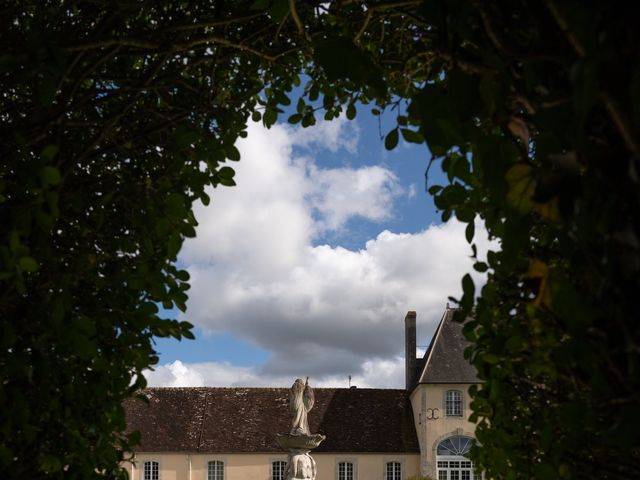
(453, 403)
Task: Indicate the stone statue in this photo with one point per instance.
(301, 400)
(299, 442)
(300, 466)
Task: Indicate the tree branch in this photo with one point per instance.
(564, 26)
(114, 42)
(365, 24)
(621, 122)
(297, 21)
(215, 23)
(618, 118)
(221, 41)
(493, 35)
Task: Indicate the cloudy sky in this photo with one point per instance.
(310, 264)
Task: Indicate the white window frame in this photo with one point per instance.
(455, 465)
(283, 465)
(216, 474)
(395, 475)
(354, 469)
(143, 470)
(453, 403)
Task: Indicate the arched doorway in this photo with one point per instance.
(452, 459)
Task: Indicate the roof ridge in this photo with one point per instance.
(202, 421)
(434, 340)
(271, 388)
(445, 361)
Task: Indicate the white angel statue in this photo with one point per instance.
(301, 400)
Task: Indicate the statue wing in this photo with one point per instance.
(309, 398)
(292, 400)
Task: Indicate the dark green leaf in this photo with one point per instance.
(480, 267)
(470, 231)
(412, 136)
(232, 153)
(351, 111)
(270, 117)
(279, 10)
(300, 106)
(50, 176)
(391, 140)
(28, 264)
(260, 5)
(49, 152)
(468, 288)
(341, 59)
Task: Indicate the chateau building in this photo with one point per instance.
(371, 434)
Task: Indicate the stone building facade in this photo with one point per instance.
(438, 385)
(372, 434)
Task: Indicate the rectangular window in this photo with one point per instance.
(442, 475)
(454, 475)
(345, 471)
(277, 470)
(151, 471)
(453, 403)
(215, 470)
(466, 474)
(394, 471)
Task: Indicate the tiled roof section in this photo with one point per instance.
(444, 360)
(364, 420)
(245, 420)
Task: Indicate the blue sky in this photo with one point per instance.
(309, 264)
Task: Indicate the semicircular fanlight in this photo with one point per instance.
(457, 445)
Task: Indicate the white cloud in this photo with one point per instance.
(341, 193)
(320, 310)
(387, 373)
(175, 374)
(333, 136)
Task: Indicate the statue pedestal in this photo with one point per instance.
(300, 465)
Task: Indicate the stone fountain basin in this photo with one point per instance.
(289, 441)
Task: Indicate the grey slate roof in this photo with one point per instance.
(444, 360)
(245, 420)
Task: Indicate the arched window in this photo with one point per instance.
(453, 403)
(215, 470)
(457, 445)
(452, 459)
(151, 471)
(277, 470)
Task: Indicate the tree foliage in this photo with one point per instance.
(116, 116)
(532, 110)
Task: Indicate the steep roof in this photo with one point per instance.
(245, 420)
(444, 360)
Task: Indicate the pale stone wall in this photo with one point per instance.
(427, 402)
(239, 466)
(369, 466)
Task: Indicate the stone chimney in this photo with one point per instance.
(410, 348)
